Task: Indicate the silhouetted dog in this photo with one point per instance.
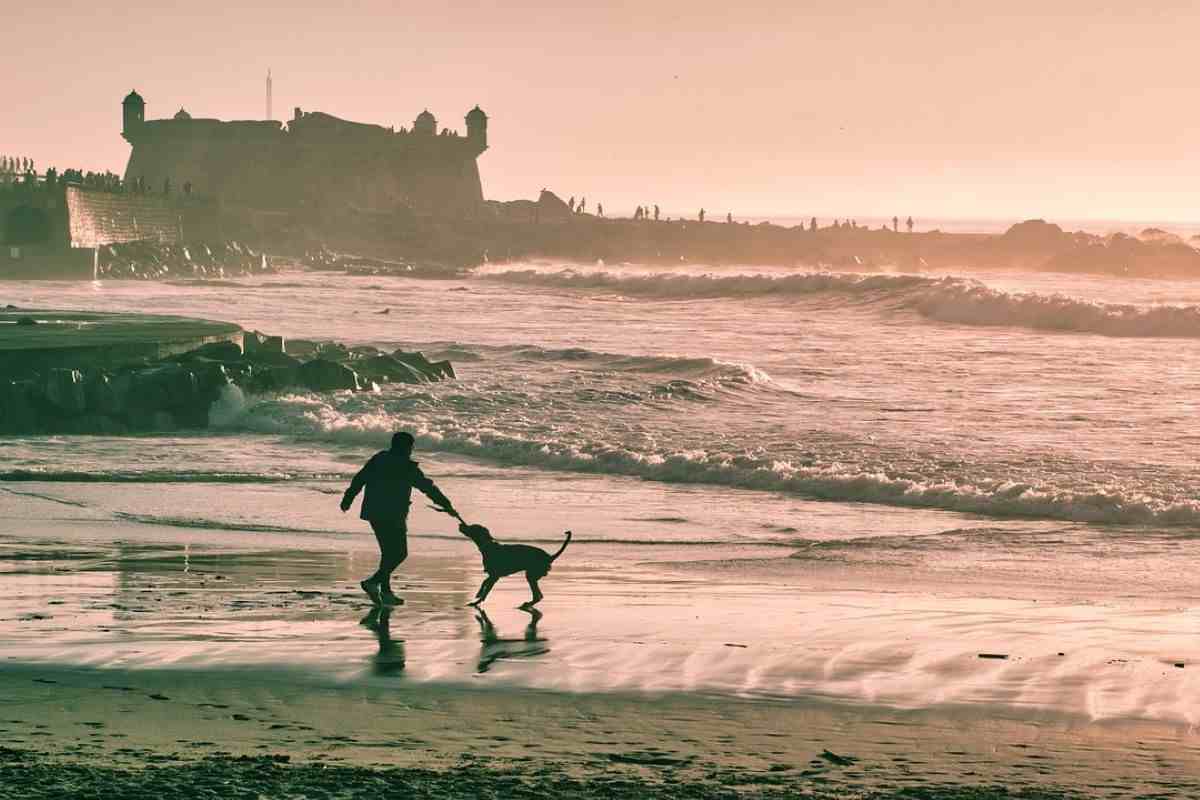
(507, 559)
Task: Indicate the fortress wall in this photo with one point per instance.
(323, 163)
(97, 218)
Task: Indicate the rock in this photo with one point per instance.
(211, 378)
(430, 370)
(165, 387)
(300, 347)
(271, 378)
(63, 390)
(332, 351)
(256, 343)
(388, 370)
(322, 375)
(273, 359)
(17, 414)
(26, 321)
(215, 351)
(444, 367)
(107, 394)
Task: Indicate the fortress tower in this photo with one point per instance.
(425, 124)
(133, 114)
(477, 127)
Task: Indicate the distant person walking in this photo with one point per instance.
(910, 224)
(896, 224)
(389, 478)
(599, 209)
(656, 213)
(702, 215)
(729, 218)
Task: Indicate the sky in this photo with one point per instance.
(1061, 110)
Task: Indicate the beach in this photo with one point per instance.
(130, 646)
(859, 534)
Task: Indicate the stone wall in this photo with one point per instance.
(97, 218)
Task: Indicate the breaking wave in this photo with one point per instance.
(961, 301)
(311, 418)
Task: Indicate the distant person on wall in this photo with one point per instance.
(729, 218)
(599, 209)
(896, 224)
(656, 213)
(389, 477)
(702, 215)
(910, 224)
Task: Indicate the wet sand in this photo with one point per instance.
(131, 648)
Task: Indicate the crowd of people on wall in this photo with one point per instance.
(652, 212)
(23, 171)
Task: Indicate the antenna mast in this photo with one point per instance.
(269, 114)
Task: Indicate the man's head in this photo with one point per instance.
(402, 443)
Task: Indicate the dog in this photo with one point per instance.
(508, 559)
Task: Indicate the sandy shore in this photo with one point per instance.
(134, 660)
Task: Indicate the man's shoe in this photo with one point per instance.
(389, 599)
(372, 590)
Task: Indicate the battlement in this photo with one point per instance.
(314, 160)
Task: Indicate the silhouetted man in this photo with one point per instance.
(656, 213)
(389, 477)
(702, 215)
(895, 224)
(910, 224)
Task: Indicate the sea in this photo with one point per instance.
(1031, 431)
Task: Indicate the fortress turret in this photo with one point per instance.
(133, 113)
(477, 127)
(425, 124)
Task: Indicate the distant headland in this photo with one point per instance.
(206, 197)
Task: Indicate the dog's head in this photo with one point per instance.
(478, 534)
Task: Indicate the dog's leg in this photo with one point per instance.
(533, 587)
(484, 589)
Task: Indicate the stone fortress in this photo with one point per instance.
(313, 162)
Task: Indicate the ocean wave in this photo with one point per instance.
(310, 417)
(203, 523)
(960, 301)
(155, 476)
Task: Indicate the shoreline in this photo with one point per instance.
(133, 719)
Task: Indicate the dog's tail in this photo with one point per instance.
(564, 547)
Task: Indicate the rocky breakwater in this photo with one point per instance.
(179, 391)
(153, 261)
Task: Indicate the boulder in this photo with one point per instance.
(263, 358)
(444, 367)
(332, 351)
(214, 351)
(322, 375)
(271, 378)
(300, 347)
(433, 371)
(256, 343)
(211, 377)
(165, 387)
(62, 389)
(107, 394)
(388, 370)
(17, 414)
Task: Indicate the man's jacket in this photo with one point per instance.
(389, 480)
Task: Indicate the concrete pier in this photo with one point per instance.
(83, 339)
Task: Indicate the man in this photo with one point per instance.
(389, 477)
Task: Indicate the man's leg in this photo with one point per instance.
(393, 556)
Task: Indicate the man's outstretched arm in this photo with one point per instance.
(432, 492)
(356, 485)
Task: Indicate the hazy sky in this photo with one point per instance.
(969, 109)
